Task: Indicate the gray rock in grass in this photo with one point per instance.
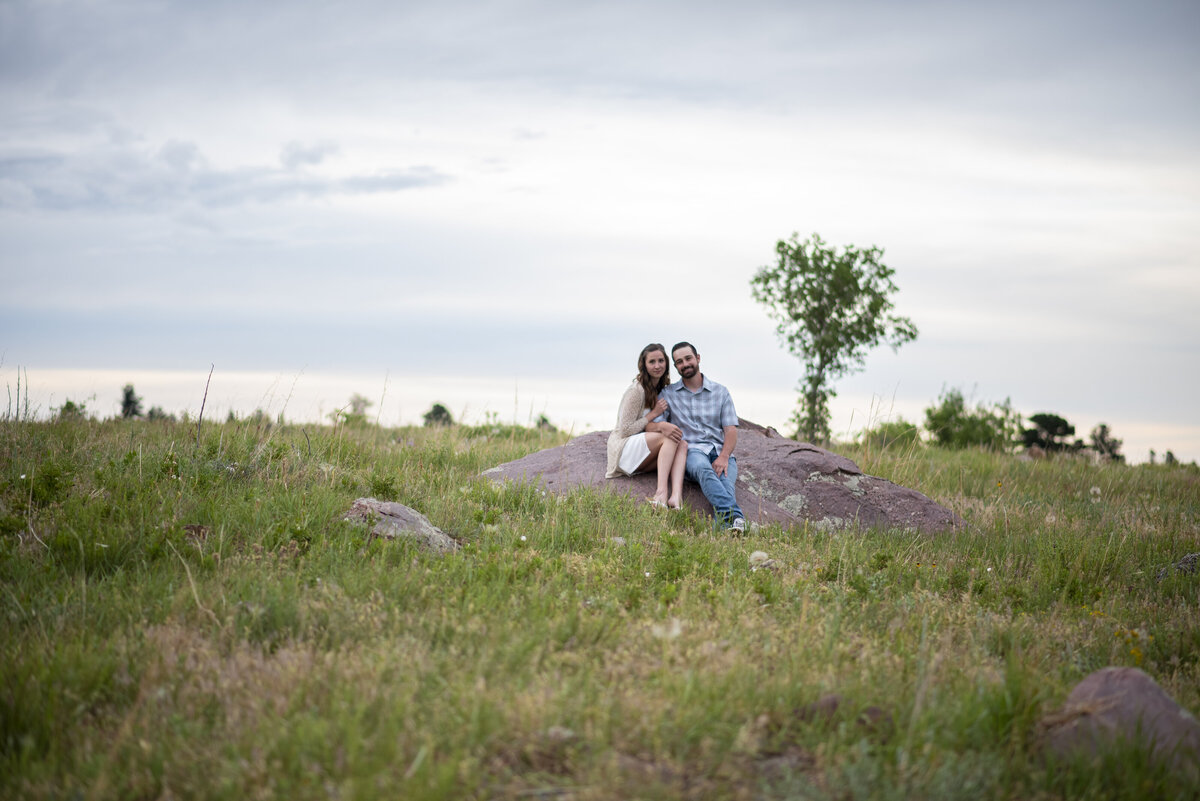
(1187, 565)
(780, 480)
(395, 520)
(1118, 705)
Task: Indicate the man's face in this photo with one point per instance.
(686, 362)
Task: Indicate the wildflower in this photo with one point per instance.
(522, 538)
(647, 574)
(22, 475)
(1095, 494)
(759, 558)
(989, 570)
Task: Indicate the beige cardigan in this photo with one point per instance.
(631, 419)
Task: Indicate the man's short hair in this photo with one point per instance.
(679, 345)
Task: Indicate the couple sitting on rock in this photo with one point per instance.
(688, 428)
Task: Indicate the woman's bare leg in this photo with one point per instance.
(666, 459)
(678, 464)
(657, 443)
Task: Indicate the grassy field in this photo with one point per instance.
(192, 618)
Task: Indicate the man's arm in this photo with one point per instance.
(721, 463)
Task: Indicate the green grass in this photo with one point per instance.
(196, 620)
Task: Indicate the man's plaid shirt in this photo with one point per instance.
(701, 415)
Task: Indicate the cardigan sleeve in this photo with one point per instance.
(630, 419)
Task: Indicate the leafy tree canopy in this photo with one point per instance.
(1048, 432)
(830, 309)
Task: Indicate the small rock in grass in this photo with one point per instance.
(394, 520)
(1123, 704)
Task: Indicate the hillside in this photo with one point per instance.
(194, 619)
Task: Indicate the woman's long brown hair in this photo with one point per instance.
(650, 387)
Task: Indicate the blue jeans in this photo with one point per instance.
(718, 489)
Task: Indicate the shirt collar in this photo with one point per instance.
(679, 386)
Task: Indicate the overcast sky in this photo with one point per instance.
(507, 200)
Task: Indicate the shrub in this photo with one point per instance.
(438, 415)
(897, 433)
(131, 404)
(70, 410)
(953, 425)
(1106, 444)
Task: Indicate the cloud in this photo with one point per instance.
(178, 176)
(296, 155)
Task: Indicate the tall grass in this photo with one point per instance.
(196, 620)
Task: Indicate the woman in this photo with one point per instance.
(635, 444)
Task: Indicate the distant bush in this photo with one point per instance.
(70, 410)
(354, 414)
(1106, 444)
(157, 413)
(897, 433)
(131, 404)
(438, 415)
(953, 425)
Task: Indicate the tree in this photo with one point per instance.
(830, 309)
(438, 415)
(131, 404)
(953, 425)
(1106, 444)
(1048, 432)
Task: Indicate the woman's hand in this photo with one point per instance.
(660, 407)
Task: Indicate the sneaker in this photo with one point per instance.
(738, 525)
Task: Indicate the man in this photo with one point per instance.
(704, 412)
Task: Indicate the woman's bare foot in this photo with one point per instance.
(673, 503)
(659, 500)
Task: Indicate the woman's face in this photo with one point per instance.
(656, 364)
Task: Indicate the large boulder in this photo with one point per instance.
(780, 480)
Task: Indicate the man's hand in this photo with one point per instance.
(668, 430)
(721, 463)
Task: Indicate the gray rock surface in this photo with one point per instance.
(1117, 704)
(780, 480)
(393, 520)
(1186, 566)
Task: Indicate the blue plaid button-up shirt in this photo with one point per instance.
(701, 415)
